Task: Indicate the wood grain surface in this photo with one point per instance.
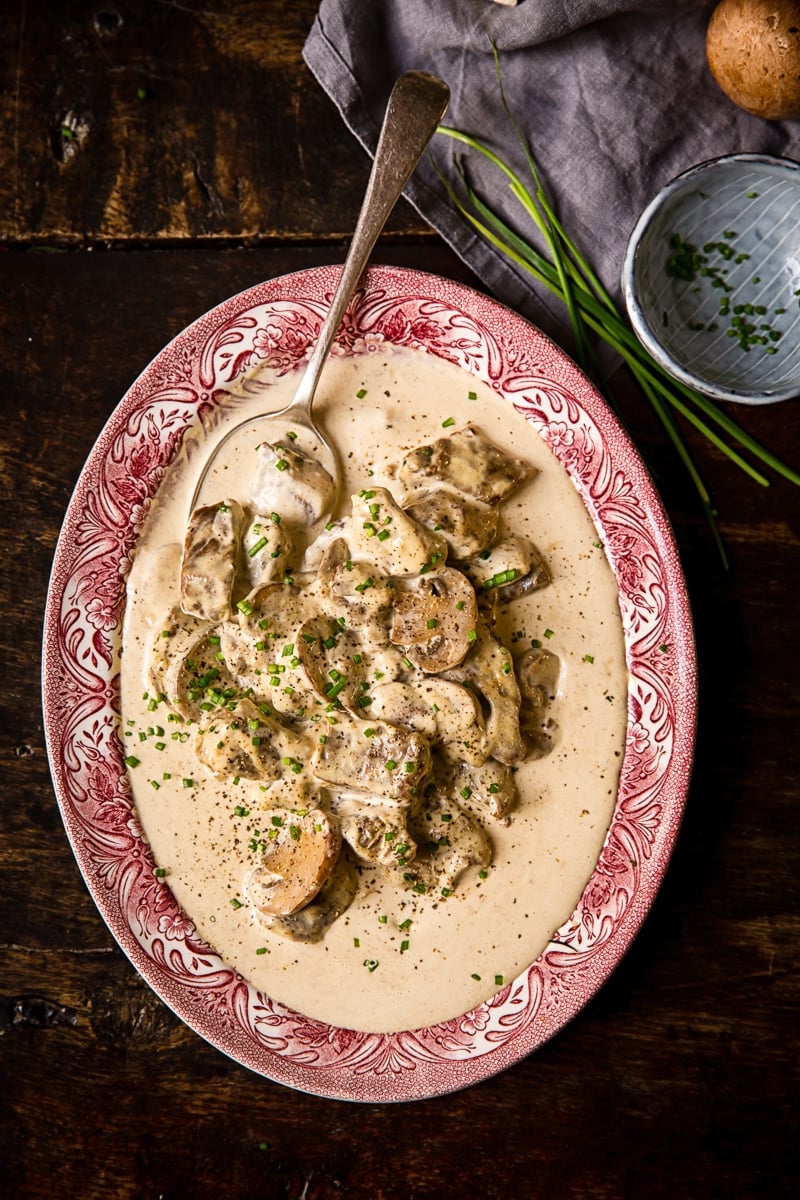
(153, 120)
(680, 1079)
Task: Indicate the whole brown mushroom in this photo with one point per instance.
(753, 51)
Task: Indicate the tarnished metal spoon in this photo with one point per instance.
(416, 106)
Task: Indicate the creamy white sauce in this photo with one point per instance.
(488, 930)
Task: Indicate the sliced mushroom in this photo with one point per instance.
(354, 591)
(299, 854)
(315, 551)
(467, 527)
(291, 483)
(490, 669)
(445, 712)
(249, 743)
(513, 566)
(377, 836)
(210, 559)
(310, 923)
(466, 463)
(538, 673)
(381, 532)
(333, 661)
(435, 624)
(449, 841)
(183, 667)
(260, 649)
(387, 761)
(488, 786)
(267, 548)
(404, 704)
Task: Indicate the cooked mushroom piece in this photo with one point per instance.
(446, 713)
(210, 559)
(538, 673)
(449, 841)
(309, 924)
(267, 549)
(376, 836)
(260, 651)
(513, 566)
(467, 463)
(249, 743)
(460, 728)
(354, 592)
(291, 483)
(333, 661)
(490, 669)
(299, 853)
(386, 761)
(435, 623)
(404, 704)
(316, 551)
(381, 532)
(488, 786)
(183, 666)
(466, 527)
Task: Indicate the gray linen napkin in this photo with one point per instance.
(615, 97)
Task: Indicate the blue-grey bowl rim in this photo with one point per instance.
(642, 328)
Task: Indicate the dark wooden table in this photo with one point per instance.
(156, 158)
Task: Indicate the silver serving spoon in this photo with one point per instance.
(416, 106)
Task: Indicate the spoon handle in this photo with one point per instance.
(416, 106)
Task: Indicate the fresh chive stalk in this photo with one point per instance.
(566, 273)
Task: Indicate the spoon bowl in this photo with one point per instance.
(416, 106)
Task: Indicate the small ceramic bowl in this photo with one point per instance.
(711, 278)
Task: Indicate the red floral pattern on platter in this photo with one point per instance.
(276, 323)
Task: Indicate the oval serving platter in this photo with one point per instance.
(177, 393)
